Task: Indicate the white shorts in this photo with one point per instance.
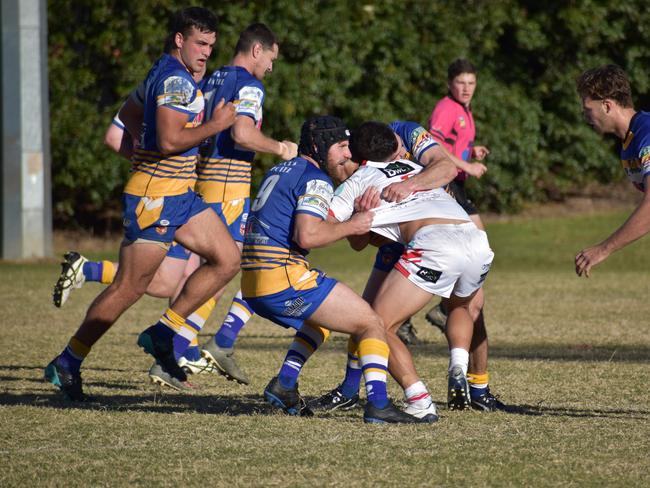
(446, 259)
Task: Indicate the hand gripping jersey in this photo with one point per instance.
(224, 170)
(168, 84)
(452, 124)
(635, 151)
(434, 203)
(271, 261)
(416, 139)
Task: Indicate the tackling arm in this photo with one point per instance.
(311, 232)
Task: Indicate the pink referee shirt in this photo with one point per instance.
(452, 124)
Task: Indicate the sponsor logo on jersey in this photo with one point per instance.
(396, 169)
(428, 274)
(164, 222)
(461, 121)
(161, 230)
(177, 90)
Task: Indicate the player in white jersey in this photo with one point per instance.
(446, 255)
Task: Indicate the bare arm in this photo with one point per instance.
(119, 140)
(637, 225)
(132, 115)
(439, 170)
(246, 134)
(311, 232)
(174, 137)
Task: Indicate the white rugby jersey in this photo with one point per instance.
(435, 203)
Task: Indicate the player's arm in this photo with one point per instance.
(132, 116)
(173, 136)
(119, 140)
(474, 169)
(246, 134)
(439, 170)
(311, 232)
(636, 226)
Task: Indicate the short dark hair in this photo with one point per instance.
(256, 32)
(608, 81)
(200, 18)
(460, 66)
(372, 141)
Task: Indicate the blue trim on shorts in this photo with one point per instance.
(290, 308)
(177, 211)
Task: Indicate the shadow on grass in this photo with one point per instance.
(543, 410)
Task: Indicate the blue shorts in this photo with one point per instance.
(290, 308)
(158, 219)
(388, 255)
(178, 252)
(234, 215)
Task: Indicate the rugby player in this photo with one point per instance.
(376, 141)
(289, 217)
(608, 108)
(160, 206)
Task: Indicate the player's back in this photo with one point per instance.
(224, 170)
(271, 261)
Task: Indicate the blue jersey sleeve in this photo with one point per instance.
(416, 138)
(315, 194)
(178, 91)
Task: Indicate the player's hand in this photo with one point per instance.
(289, 150)
(480, 152)
(396, 192)
(223, 115)
(588, 258)
(361, 222)
(475, 169)
(369, 200)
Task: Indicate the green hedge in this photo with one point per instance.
(375, 60)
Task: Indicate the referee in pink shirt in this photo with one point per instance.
(452, 124)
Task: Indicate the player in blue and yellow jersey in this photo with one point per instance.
(224, 170)
(607, 106)
(289, 217)
(160, 206)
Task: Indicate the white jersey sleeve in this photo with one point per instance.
(342, 206)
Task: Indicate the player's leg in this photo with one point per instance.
(219, 350)
(139, 262)
(397, 299)
(459, 337)
(77, 270)
(363, 323)
(204, 234)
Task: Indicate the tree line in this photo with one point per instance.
(377, 60)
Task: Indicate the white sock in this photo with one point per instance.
(418, 395)
(459, 357)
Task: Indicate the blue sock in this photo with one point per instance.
(238, 315)
(192, 353)
(290, 369)
(352, 381)
(67, 360)
(92, 270)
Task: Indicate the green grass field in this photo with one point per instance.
(571, 352)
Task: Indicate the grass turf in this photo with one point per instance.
(570, 352)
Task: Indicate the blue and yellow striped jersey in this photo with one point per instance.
(168, 84)
(416, 138)
(271, 261)
(635, 150)
(224, 170)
